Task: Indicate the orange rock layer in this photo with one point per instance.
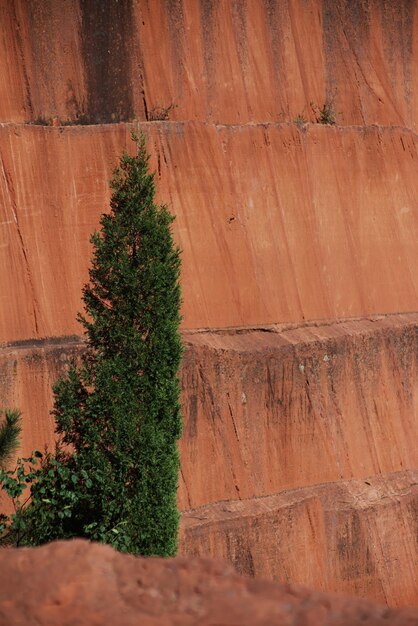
(225, 62)
(265, 410)
(354, 536)
(276, 224)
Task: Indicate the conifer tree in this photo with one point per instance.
(114, 474)
(9, 435)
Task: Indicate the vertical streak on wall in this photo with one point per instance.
(275, 12)
(107, 39)
(239, 21)
(345, 31)
(175, 13)
(208, 20)
(397, 23)
(21, 55)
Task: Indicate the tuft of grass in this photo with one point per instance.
(41, 121)
(158, 114)
(325, 114)
(300, 120)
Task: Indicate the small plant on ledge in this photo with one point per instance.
(161, 114)
(326, 114)
(300, 120)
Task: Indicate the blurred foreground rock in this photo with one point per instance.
(75, 583)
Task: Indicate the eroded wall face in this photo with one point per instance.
(276, 224)
(357, 537)
(297, 449)
(28, 371)
(264, 411)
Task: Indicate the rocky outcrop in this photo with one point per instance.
(81, 583)
(266, 410)
(28, 369)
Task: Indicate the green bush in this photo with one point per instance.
(113, 477)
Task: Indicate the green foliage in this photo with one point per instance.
(300, 120)
(15, 482)
(326, 114)
(114, 475)
(9, 435)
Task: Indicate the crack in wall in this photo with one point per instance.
(186, 488)
(12, 201)
(233, 420)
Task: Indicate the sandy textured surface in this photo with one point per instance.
(73, 583)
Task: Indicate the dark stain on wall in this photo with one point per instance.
(355, 557)
(239, 21)
(347, 47)
(397, 19)
(107, 38)
(277, 15)
(208, 27)
(239, 552)
(175, 14)
(346, 27)
(20, 49)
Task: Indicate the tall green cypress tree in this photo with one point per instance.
(115, 472)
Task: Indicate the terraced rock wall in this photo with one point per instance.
(296, 450)
(299, 256)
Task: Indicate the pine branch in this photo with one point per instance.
(10, 431)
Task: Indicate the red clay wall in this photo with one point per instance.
(297, 452)
(276, 224)
(354, 536)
